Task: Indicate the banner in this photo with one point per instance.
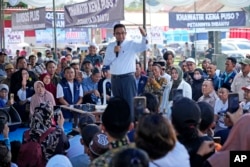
(77, 35)
(12, 39)
(59, 19)
(28, 20)
(93, 12)
(46, 36)
(155, 34)
(207, 20)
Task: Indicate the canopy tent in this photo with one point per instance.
(151, 3)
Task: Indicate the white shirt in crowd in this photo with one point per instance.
(59, 90)
(175, 158)
(220, 107)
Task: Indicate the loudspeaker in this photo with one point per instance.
(211, 37)
(12, 117)
(214, 37)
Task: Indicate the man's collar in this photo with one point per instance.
(119, 143)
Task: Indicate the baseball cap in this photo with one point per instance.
(86, 119)
(86, 61)
(246, 88)
(4, 87)
(245, 61)
(190, 60)
(99, 144)
(93, 44)
(88, 132)
(105, 68)
(8, 66)
(185, 113)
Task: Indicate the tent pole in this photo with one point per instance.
(54, 26)
(144, 26)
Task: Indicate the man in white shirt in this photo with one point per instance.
(241, 79)
(245, 104)
(69, 91)
(121, 57)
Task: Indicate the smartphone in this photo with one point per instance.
(177, 94)
(12, 96)
(233, 102)
(217, 139)
(150, 74)
(57, 112)
(140, 104)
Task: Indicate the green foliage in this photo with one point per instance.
(136, 5)
(21, 4)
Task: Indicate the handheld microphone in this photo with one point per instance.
(118, 44)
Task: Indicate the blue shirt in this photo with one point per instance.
(88, 85)
(94, 59)
(216, 81)
(227, 79)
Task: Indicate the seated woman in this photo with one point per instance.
(49, 86)
(156, 83)
(23, 91)
(56, 141)
(41, 96)
(177, 83)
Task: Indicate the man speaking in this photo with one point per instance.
(121, 57)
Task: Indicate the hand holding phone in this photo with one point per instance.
(217, 140)
(57, 112)
(233, 102)
(140, 105)
(177, 94)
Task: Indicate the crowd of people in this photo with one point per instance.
(186, 107)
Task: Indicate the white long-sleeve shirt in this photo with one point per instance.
(125, 62)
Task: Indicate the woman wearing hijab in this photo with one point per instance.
(49, 86)
(23, 90)
(238, 140)
(197, 84)
(56, 142)
(177, 83)
(41, 96)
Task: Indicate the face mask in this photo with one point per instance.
(197, 76)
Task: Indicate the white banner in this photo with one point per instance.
(155, 34)
(12, 39)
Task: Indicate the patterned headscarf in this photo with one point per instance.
(40, 123)
(41, 120)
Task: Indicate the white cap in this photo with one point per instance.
(59, 160)
(190, 60)
(93, 44)
(246, 88)
(4, 86)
